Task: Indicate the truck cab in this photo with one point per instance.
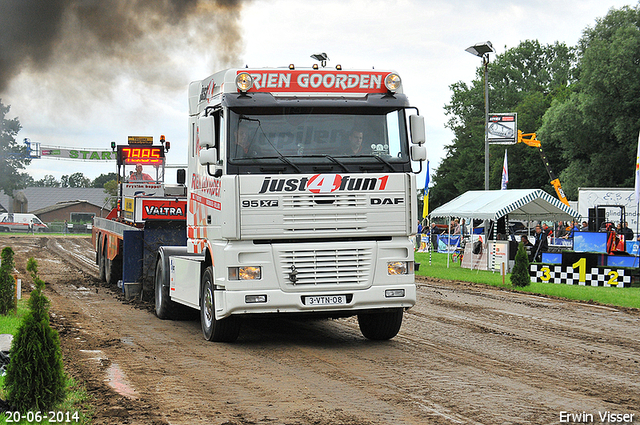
(301, 199)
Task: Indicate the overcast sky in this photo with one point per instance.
(81, 106)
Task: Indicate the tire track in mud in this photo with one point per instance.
(465, 354)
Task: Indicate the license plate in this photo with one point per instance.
(326, 300)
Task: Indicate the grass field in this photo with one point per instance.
(619, 297)
(77, 398)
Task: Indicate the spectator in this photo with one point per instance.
(548, 231)
(627, 232)
(525, 241)
(572, 230)
(541, 245)
(456, 227)
(585, 227)
(561, 230)
(434, 232)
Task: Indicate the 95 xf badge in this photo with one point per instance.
(259, 203)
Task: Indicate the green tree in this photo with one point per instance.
(525, 79)
(111, 187)
(35, 377)
(520, 273)
(48, 181)
(13, 157)
(7, 283)
(596, 127)
(75, 180)
(103, 178)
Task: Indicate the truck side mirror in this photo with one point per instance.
(208, 156)
(181, 176)
(418, 152)
(416, 123)
(206, 132)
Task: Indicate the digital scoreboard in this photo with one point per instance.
(145, 155)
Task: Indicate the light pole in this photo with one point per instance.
(482, 50)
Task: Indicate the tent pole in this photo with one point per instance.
(448, 254)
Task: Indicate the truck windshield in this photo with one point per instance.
(299, 139)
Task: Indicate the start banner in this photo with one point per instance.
(80, 154)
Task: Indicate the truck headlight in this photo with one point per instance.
(392, 82)
(244, 82)
(245, 273)
(398, 267)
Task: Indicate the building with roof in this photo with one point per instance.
(48, 200)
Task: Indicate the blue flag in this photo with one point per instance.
(425, 199)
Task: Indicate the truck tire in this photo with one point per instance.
(224, 330)
(112, 270)
(101, 260)
(382, 325)
(165, 308)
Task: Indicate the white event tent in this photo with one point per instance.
(518, 204)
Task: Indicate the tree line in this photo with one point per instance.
(14, 159)
(582, 101)
(73, 180)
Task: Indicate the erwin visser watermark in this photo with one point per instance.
(605, 417)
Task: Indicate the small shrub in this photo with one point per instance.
(7, 283)
(520, 273)
(35, 377)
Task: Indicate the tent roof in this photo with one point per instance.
(519, 204)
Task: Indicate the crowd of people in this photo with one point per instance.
(541, 237)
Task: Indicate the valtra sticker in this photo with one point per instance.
(164, 210)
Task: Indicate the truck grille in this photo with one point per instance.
(348, 266)
(338, 200)
(324, 213)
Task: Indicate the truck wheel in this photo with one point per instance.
(101, 261)
(165, 308)
(224, 330)
(113, 270)
(381, 326)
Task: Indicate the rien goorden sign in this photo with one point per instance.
(332, 81)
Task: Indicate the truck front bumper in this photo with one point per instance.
(335, 303)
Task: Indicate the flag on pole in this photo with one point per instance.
(425, 199)
(505, 172)
(638, 172)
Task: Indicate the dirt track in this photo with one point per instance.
(465, 355)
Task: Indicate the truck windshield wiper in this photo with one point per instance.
(330, 158)
(283, 159)
(379, 159)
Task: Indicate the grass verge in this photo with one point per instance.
(77, 399)
(437, 268)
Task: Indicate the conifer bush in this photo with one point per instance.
(7, 284)
(520, 273)
(35, 377)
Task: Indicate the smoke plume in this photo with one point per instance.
(94, 42)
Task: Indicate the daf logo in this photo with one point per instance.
(293, 276)
(387, 201)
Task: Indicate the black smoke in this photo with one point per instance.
(132, 34)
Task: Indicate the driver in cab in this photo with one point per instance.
(139, 174)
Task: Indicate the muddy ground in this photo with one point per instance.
(466, 354)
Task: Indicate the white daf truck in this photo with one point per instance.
(301, 200)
